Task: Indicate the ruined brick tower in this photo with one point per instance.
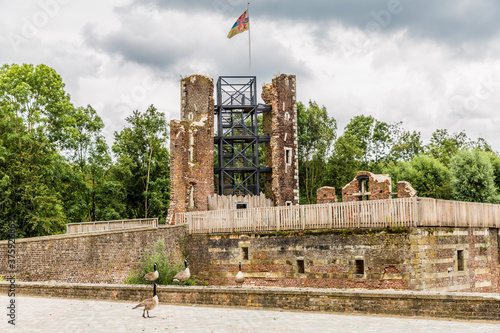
(191, 148)
(238, 139)
(282, 150)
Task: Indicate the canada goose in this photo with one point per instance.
(151, 276)
(182, 276)
(148, 304)
(240, 277)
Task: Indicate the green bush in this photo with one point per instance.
(166, 269)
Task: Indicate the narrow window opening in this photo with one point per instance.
(191, 147)
(460, 260)
(245, 253)
(365, 188)
(300, 266)
(360, 267)
(241, 205)
(288, 156)
(191, 196)
(287, 115)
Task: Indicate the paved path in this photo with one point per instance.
(64, 315)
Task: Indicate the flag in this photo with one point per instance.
(242, 24)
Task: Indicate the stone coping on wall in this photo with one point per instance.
(87, 234)
(468, 306)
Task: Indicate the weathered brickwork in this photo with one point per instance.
(191, 145)
(367, 185)
(413, 260)
(326, 194)
(419, 259)
(321, 261)
(405, 190)
(395, 303)
(282, 150)
(437, 263)
(191, 148)
(92, 258)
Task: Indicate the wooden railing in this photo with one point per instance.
(83, 227)
(404, 212)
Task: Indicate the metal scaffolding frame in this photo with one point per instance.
(237, 139)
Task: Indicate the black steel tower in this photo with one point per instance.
(237, 170)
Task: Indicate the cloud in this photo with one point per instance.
(449, 21)
(422, 61)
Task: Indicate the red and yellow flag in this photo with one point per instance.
(242, 24)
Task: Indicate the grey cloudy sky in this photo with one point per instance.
(430, 64)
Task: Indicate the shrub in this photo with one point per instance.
(473, 177)
(166, 269)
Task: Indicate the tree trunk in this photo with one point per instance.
(147, 180)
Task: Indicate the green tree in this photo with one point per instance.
(473, 177)
(36, 114)
(406, 144)
(495, 164)
(344, 162)
(87, 150)
(443, 146)
(360, 130)
(143, 163)
(429, 177)
(374, 138)
(316, 132)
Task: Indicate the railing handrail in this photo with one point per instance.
(108, 221)
(78, 227)
(398, 212)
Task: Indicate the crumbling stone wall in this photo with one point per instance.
(281, 151)
(326, 194)
(405, 190)
(318, 261)
(420, 259)
(455, 259)
(191, 148)
(379, 187)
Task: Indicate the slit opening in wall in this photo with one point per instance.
(244, 252)
(241, 205)
(360, 266)
(460, 260)
(300, 266)
(288, 156)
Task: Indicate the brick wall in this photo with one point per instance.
(387, 302)
(281, 151)
(413, 260)
(326, 194)
(436, 259)
(428, 259)
(378, 187)
(328, 261)
(191, 148)
(93, 258)
(405, 190)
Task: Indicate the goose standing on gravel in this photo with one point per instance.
(182, 276)
(240, 277)
(151, 276)
(148, 304)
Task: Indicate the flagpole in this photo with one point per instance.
(249, 45)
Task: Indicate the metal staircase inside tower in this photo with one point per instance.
(238, 135)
